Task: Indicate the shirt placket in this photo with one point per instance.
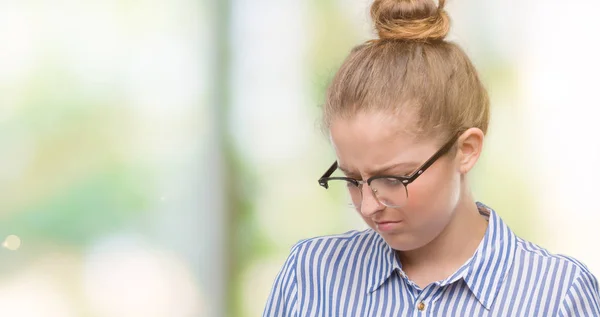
(424, 301)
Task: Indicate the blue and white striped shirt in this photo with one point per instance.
(358, 274)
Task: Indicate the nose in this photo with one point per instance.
(369, 205)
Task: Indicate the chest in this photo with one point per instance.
(349, 296)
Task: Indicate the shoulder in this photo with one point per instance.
(326, 250)
(351, 242)
(533, 252)
(559, 267)
(325, 257)
(316, 264)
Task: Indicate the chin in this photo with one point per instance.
(403, 242)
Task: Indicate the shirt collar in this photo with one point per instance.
(483, 273)
(383, 263)
(493, 259)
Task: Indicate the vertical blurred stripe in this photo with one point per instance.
(216, 204)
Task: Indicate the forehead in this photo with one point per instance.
(371, 141)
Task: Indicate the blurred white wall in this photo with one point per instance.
(558, 74)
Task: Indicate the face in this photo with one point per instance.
(372, 144)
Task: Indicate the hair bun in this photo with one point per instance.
(417, 20)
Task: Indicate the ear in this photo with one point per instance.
(470, 145)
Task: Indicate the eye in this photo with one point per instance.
(351, 184)
(391, 182)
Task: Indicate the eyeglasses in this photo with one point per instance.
(391, 191)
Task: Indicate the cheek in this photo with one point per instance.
(431, 201)
(433, 196)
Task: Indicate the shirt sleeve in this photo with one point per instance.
(582, 298)
(284, 294)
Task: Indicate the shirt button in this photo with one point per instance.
(421, 306)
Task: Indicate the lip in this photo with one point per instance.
(387, 226)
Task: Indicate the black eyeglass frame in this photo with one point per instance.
(406, 180)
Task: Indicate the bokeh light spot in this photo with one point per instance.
(12, 243)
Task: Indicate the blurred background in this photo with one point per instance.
(160, 158)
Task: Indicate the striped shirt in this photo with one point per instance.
(358, 274)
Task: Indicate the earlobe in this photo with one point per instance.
(470, 145)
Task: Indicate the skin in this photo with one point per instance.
(439, 228)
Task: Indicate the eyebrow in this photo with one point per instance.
(385, 170)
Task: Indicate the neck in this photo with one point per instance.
(448, 251)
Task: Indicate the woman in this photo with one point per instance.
(407, 115)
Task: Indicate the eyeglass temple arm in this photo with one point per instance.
(328, 173)
(432, 159)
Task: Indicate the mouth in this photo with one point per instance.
(387, 226)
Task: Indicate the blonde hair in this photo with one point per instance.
(410, 69)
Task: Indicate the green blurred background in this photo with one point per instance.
(159, 158)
